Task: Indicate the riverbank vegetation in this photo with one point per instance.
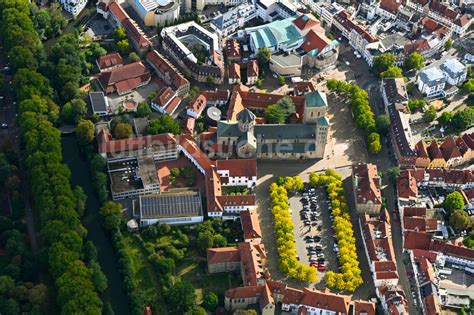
(283, 227)
(55, 202)
(349, 278)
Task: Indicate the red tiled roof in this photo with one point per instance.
(449, 149)
(343, 18)
(432, 304)
(414, 211)
(315, 41)
(237, 200)
(305, 22)
(444, 10)
(106, 145)
(293, 296)
(446, 248)
(250, 224)
(252, 69)
(123, 77)
(431, 256)
(429, 24)
(420, 224)
(198, 104)
(416, 46)
(385, 266)
(164, 96)
(326, 300)
(251, 256)
(234, 71)
(364, 308)
(383, 275)
(417, 240)
(223, 255)
(368, 184)
(469, 140)
(420, 149)
(135, 33)
(166, 68)
(244, 292)
(238, 167)
(433, 151)
(233, 48)
(173, 105)
(216, 95)
(391, 6)
(303, 87)
(462, 20)
(117, 10)
(110, 60)
(406, 185)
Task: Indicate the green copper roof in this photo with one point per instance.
(315, 99)
(323, 121)
(274, 33)
(246, 116)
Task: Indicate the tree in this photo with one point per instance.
(416, 105)
(393, 174)
(133, 56)
(205, 240)
(198, 310)
(163, 124)
(210, 81)
(6, 284)
(274, 114)
(281, 80)
(374, 143)
(445, 118)
(22, 57)
(460, 220)
(120, 34)
(287, 105)
(81, 199)
(468, 86)
(85, 132)
(9, 307)
(453, 201)
(123, 46)
(74, 111)
(414, 61)
(463, 118)
(98, 277)
(430, 114)
(383, 124)
(259, 83)
(263, 55)
(122, 131)
(392, 72)
(38, 295)
(143, 110)
(210, 301)
(181, 296)
(383, 62)
(111, 212)
(448, 44)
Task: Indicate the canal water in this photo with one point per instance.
(106, 257)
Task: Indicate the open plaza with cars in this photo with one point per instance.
(314, 235)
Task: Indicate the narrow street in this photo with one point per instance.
(11, 136)
(384, 160)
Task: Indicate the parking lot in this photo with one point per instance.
(314, 237)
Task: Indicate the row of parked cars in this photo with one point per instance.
(311, 216)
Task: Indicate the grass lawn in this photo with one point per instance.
(193, 269)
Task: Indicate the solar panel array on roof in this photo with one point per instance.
(170, 205)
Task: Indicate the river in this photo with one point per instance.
(106, 257)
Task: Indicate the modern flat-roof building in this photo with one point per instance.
(74, 6)
(454, 71)
(156, 12)
(431, 82)
(99, 104)
(183, 207)
(287, 65)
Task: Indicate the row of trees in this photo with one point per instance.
(18, 292)
(58, 206)
(349, 277)
(363, 114)
(283, 229)
(460, 120)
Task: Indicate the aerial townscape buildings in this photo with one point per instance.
(237, 157)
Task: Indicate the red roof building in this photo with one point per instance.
(109, 62)
(124, 79)
(367, 184)
(250, 225)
